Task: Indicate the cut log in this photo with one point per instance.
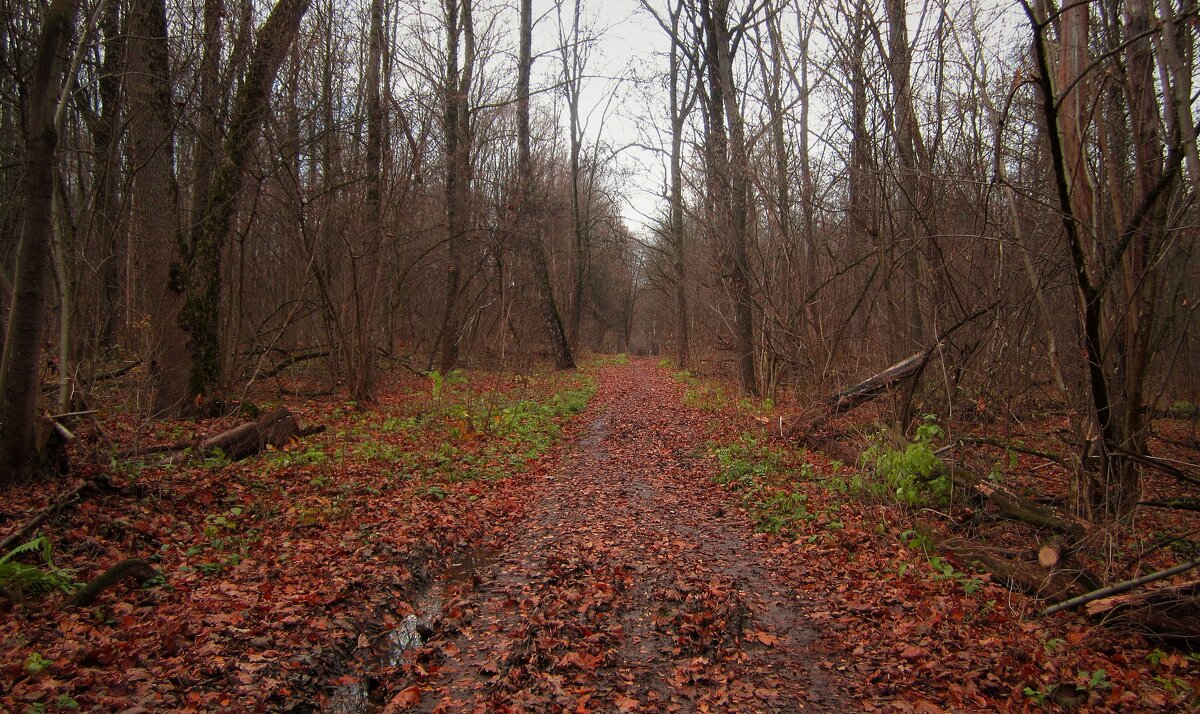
(1051, 553)
(273, 429)
(857, 395)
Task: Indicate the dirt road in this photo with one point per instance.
(631, 585)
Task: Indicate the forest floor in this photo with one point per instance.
(619, 539)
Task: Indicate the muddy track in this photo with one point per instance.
(630, 585)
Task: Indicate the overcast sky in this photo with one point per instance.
(613, 103)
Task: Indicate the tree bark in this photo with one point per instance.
(907, 140)
(729, 184)
(154, 229)
(19, 366)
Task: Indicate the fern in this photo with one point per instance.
(30, 579)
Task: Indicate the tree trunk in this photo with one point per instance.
(362, 368)
(106, 175)
(573, 68)
(210, 106)
(19, 384)
(729, 183)
(201, 308)
(559, 343)
(153, 226)
(456, 126)
(907, 139)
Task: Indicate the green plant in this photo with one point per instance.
(216, 459)
(1176, 687)
(29, 579)
(745, 461)
(64, 701)
(435, 492)
(945, 571)
(443, 381)
(314, 455)
(916, 540)
(1052, 645)
(666, 363)
(780, 511)
(1185, 407)
(1090, 681)
(1042, 695)
(914, 475)
(35, 663)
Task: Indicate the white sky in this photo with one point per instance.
(612, 107)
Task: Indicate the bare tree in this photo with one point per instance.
(20, 442)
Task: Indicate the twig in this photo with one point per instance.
(1049, 456)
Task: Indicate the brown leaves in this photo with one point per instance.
(406, 699)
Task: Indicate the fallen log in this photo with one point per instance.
(1030, 578)
(128, 568)
(859, 394)
(1170, 613)
(273, 429)
(998, 443)
(1118, 588)
(1178, 504)
(1014, 507)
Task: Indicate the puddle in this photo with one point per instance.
(392, 648)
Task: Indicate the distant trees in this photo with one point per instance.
(1010, 186)
(216, 196)
(220, 195)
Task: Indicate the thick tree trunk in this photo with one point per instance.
(728, 183)
(456, 129)
(19, 384)
(907, 140)
(153, 226)
(106, 175)
(201, 309)
(210, 105)
(525, 209)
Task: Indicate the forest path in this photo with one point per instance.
(627, 586)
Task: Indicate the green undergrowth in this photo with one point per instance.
(29, 569)
(707, 395)
(767, 476)
(463, 431)
(910, 473)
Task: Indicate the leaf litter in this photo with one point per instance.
(616, 572)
